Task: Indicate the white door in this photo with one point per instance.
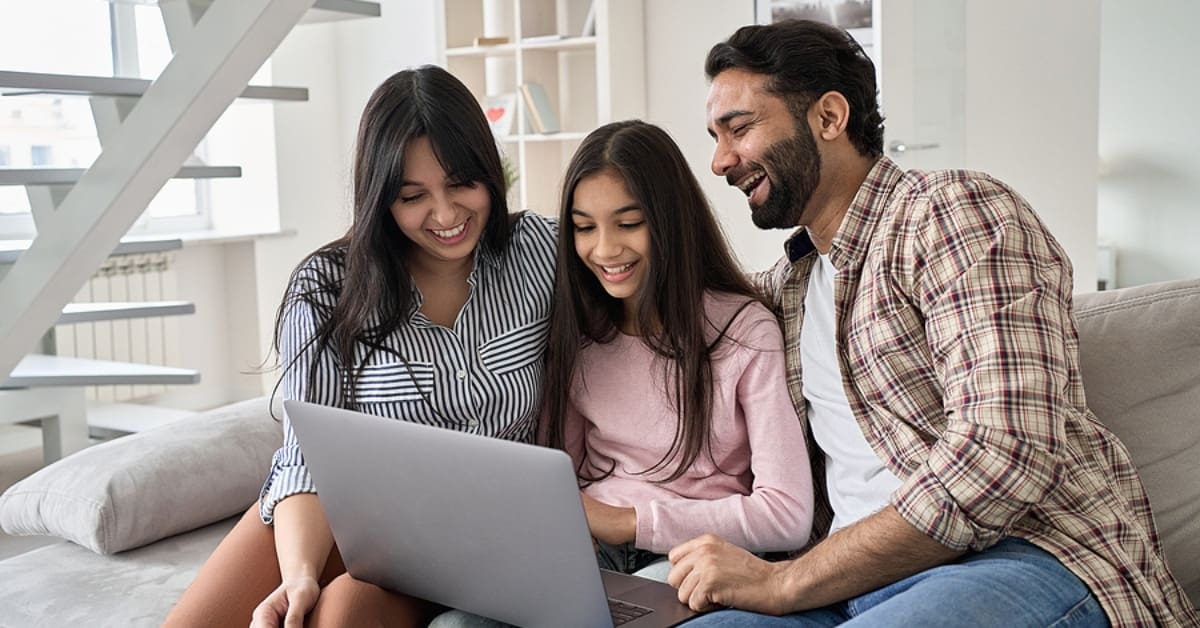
(1008, 87)
(922, 75)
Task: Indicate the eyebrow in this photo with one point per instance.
(724, 119)
(621, 210)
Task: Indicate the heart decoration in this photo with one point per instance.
(495, 113)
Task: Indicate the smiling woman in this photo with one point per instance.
(432, 308)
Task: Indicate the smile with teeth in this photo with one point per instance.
(748, 184)
(451, 233)
(616, 270)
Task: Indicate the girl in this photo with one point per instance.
(433, 308)
(666, 379)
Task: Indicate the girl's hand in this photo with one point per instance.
(287, 605)
(612, 524)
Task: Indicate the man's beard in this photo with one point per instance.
(796, 167)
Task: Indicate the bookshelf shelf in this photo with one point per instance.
(581, 60)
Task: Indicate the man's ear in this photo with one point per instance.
(832, 114)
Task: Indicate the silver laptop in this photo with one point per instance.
(480, 524)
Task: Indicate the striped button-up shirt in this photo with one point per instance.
(484, 375)
(959, 357)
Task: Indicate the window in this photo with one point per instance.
(41, 155)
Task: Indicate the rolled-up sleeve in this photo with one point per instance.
(289, 475)
(995, 294)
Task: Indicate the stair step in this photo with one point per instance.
(118, 310)
(10, 250)
(321, 11)
(106, 420)
(25, 83)
(36, 370)
(335, 10)
(53, 176)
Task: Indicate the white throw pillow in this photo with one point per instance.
(140, 488)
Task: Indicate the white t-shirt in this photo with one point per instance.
(856, 479)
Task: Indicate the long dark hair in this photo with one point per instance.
(803, 59)
(374, 297)
(688, 256)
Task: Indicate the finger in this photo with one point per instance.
(686, 585)
(697, 598)
(693, 545)
(295, 615)
(264, 615)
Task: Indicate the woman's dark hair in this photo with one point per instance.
(688, 256)
(802, 60)
(374, 297)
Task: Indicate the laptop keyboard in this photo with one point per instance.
(623, 612)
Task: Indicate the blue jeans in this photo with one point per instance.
(1012, 583)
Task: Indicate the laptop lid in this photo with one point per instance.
(480, 524)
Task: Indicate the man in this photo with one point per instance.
(929, 335)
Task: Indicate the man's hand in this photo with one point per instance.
(711, 573)
(612, 524)
(290, 602)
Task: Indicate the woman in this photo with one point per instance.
(666, 376)
(433, 308)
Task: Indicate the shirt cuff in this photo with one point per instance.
(284, 482)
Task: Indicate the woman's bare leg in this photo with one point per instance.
(350, 602)
(241, 572)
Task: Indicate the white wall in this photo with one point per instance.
(1031, 115)
(1149, 198)
(679, 34)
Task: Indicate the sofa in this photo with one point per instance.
(138, 515)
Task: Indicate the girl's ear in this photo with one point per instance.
(832, 113)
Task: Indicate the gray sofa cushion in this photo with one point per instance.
(66, 585)
(1140, 354)
(140, 488)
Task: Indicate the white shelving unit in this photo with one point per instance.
(590, 79)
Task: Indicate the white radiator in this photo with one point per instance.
(148, 277)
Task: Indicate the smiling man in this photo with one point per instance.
(934, 361)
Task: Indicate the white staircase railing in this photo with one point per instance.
(211, 67)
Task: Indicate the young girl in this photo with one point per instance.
(666, 378)
(432, 308)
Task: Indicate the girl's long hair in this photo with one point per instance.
(688, 256)
(375, 295)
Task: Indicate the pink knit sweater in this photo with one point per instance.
(758, 494)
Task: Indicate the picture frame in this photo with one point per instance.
(856, 16)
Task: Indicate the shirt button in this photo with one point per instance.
(461, 375)
(473, 423)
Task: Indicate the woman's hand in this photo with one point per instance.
(287, 605)
(612, 524)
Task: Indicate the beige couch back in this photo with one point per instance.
(1140, 354)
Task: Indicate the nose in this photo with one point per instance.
(443, 212)
(608, 244)
(723, 158)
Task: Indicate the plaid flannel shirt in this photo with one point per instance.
(959, 356)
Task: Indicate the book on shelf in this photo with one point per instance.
(541, 39)
(491, 41)
(541, 111)
(501, 110)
